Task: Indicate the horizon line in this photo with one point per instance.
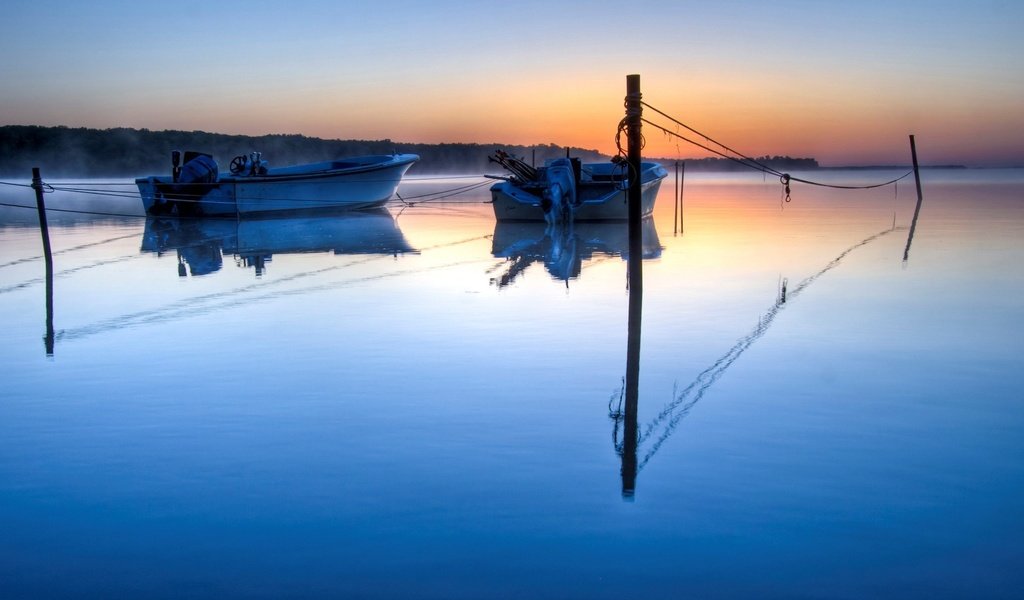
(535, 144)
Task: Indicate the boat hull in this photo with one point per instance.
(598, 200)
(356, 183)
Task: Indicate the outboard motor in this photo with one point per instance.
(199, 168)
(191, 181)
(560, 194)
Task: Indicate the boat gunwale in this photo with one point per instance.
(396, 160)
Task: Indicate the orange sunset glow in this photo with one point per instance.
(841, 84)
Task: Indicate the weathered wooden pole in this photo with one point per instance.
(682, 185)
(44, 230)
(634, 112)
(631, 437)
(920, 198)
(37, 185)
(675, 204)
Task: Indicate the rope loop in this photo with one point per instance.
(42, 186)
(634, 104)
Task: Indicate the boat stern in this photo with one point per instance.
(150, 195)
(512, 203)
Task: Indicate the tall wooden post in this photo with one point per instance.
(675, 204)
(920, 198)
(634, 111)
(37, 185)
(682, 185)
(44, 230)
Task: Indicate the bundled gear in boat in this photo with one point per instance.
(555, 184)
(249, 165)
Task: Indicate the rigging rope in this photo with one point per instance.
(442, 194)
(742, 159)
(764, 168)
(48, 188)
(679, 407)
(69, 250)
(80, 212)
(207, 303)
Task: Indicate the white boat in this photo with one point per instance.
(197, 188)
(565, 189)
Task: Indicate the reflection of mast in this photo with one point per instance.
(680, 406)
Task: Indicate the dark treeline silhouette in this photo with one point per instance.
(779, 163)
(124, 152)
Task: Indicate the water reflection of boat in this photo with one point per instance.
(563, 248)
(202, 243)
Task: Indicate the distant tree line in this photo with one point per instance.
(124, 152)
(779, 163)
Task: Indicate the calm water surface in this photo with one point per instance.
(421, 403)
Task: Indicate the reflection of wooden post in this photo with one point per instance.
(630, 431)
(920, 198)
(48, 339)
(44, 230)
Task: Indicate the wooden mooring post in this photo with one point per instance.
(677, 223)
(44, 230)
(37, 185)
(634, 112)
(920, 198)
(675, 204)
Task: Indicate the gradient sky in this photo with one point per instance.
(844, 82)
